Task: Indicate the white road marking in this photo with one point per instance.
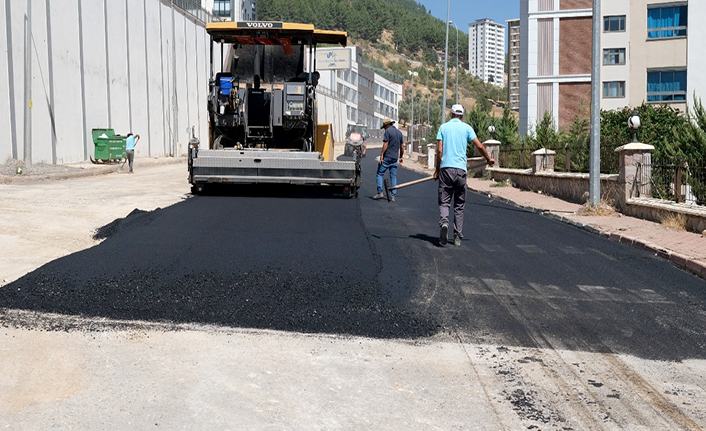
(571, 250)
(607, 256)
(493, 248)
(529, 248)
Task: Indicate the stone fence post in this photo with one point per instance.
(493, 148)
(431, 156)
(543, 160)
(635, 176)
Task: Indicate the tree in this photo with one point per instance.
(546, 135)
(506, 128)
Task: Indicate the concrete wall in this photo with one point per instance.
(133, 65)
(574, 187)
(568, 186)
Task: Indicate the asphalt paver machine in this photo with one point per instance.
(262, 110)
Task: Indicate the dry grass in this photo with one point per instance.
(604, 208)
(674, 221)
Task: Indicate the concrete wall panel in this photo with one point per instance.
(67, 82)
(16, 26)
(156, 138)
(138, 109)
(190, 71)
(169, 77)
(5, 87)
(201, 47)
(94, 69)
(118, 67)
(167, 95)
(182, 85)
(41, 130)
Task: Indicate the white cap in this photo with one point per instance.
(457, 109)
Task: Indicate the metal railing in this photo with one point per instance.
(682, 183)
(194, 9)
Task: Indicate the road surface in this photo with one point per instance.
(281, 308)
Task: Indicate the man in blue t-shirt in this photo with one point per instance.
(392, 151)
(451, 167)
(130, 148)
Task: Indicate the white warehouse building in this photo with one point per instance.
(353, 93)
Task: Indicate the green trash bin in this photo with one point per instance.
(109, 147)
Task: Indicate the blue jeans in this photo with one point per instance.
(382, 167)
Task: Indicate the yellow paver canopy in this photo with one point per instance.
(273, 33)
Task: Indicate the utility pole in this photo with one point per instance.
(428, 94)
(454, 24)
(594, 189)
(28, 86)
(446, 61)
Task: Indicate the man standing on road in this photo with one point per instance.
(392, 151)
(130, 148)
(451, 168)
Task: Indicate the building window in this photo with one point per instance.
(614, 90)
(666, 86)
(614, 23)
(666, 21)
(614, 56)
(221, 8)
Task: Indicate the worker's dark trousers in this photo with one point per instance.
(452, 185)
(130, 158)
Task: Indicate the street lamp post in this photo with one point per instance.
(634, 124)
(454, 24)
(411, 134)
(446, 62)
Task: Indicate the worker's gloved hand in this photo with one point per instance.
(436, 175)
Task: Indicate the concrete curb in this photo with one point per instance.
(684, 262)
(87, 172)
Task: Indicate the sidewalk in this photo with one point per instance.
(686, 250)
(42, 171)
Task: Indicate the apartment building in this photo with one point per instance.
(513, 72)
(649, 54)
(387, 98)
(660, 41)
(486, 51)
(555, 72)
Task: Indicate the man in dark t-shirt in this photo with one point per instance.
(392, 151)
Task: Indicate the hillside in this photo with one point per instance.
(397, 36)
(413, 28)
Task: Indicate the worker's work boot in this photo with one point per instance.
(378, 196)
(444, 234)
(457, 239)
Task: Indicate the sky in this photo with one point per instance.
(464, 12)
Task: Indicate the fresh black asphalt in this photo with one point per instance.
(302, 260)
